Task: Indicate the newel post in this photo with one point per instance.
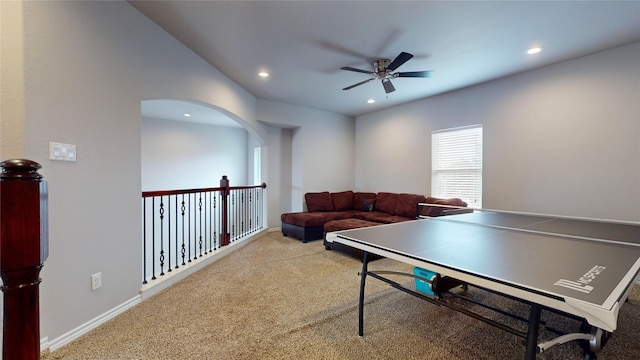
(225, 238)
(23, 250)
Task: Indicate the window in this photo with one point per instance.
(456, 164)
(257, 164)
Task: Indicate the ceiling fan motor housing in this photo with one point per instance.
(380, 67)
(383, 70)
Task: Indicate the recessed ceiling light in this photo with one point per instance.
(187, 115)
(370, 101)
(534, 50)
(263, 74)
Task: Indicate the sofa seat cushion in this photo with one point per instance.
(346, 224)
(310, 219)
(380, 217)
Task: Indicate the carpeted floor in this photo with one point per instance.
(277, 298)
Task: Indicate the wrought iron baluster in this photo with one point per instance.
(189, 229)
(169, 232)
(210, 221)
(260, 207)
(183, 249)
(233, 221)
(200, 213)
(153, 240)
(238, 216)
(251, 211)
(161, 211)
(215, 228)
(206, 248)
(176, 237)
(193, 225)
(241, 208)
(144, 240)
(247, 212)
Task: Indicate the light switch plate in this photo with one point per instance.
(62, 152)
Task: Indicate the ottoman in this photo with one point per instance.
(346, 224)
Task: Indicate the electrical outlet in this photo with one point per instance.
(96, 281)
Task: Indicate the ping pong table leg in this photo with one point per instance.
(363, 276)
(532, 332)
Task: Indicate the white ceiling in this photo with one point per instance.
(303, 44)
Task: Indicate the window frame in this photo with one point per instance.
(457, 153)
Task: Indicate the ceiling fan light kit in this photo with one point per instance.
(383, 71)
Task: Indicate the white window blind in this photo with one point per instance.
(456, 164)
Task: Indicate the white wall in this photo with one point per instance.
(322, 148)
(87, 66)
(186, 155)
(564, 139)
(279, 172)
(392, 152)
(12, 84)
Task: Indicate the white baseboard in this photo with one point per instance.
(88, 326)
(146, 292)
(44, 344)
(168, 279)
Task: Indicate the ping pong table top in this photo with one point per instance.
(599, 230)
(583, 267)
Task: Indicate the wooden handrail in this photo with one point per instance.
(191, 191)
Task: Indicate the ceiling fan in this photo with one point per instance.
(383, 71)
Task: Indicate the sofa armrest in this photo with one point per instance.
(440, 207)
(456, 211)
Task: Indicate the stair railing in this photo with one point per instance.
(182, 226)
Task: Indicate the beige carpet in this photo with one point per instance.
(277, 298)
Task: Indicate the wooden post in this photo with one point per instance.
(225, 237)
(23, 250)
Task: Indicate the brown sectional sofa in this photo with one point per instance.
(322, 208)
(348, 210)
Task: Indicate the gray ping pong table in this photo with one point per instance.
(580, 268)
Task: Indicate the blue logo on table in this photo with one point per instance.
(582, 284)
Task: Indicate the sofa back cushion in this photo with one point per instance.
(407, 203)
(342, 200)
(320, 201)
(359, 202)
(386, 202)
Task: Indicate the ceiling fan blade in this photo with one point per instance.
(420, 74)
(349, 68)
(399, 60)
(358, 84)
(388, 86)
